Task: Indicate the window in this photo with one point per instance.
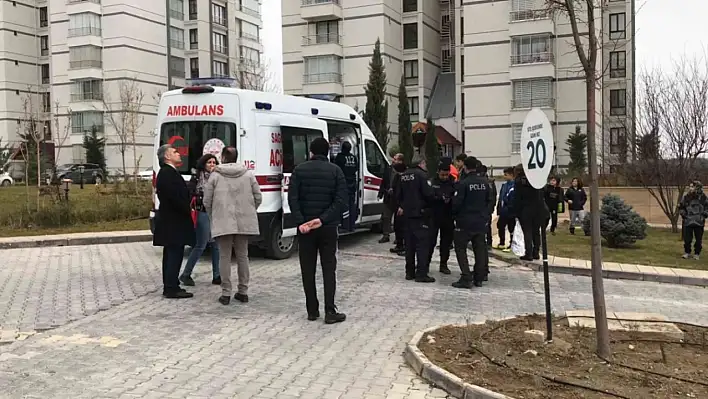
(192, 10)
(532, 93)
(410, 71)
(177, 67)
(296, 145)
(618, 64)
(220, 69)
(84, 24)
(530, 49)
(410, 36)
(43, 17)
(191, 137)
(462, 105)
(323, 69)
(194, 67)
(44, 45)
(47, 130)
(44, 70)
(250, 7)
(87, 90)
(85, 57)
(176, 38)
(375, 160)
(410, 5)
(250, 56)
(516, 139)
(525, 10)
(618, 26)
(219, 43)
(193, 39)
(618, 102)
(84, 121)
(462, 65)
(462, 30)
(249, 31)
(323, 32)
(218, 14)
(413, 106)
(46, 102)
(617, 140)
(177, 9)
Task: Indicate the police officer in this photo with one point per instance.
(492, 186)
(414, 196)
(470, 208)
(444, 189)
(350, 166)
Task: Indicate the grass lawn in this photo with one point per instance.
(660, 248)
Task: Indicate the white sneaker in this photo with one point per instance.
(686, 256)
(696, 257)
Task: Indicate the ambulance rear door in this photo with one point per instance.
(297, 132)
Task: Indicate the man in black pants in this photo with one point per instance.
(317, 196)
(493, 187)
(415, 197)
(349, 165)
(442, 221)
(470, 207)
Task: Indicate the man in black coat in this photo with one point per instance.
(174, 227)
(386, 193)
(318, 196)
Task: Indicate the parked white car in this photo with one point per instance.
(6, 180)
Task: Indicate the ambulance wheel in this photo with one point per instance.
(280, 247)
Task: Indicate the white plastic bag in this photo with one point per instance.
(517, 241)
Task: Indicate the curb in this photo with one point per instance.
(80, 239)
(680, 279)
(441, 378)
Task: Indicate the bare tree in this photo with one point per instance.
(125, 117)
(672, 130)
(33, 136)
(59, 136)
(255, 75)
(584, 19)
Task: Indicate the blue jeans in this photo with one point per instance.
(203, 238)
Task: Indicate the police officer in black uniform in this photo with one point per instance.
(444, 189)
(350, 166)
(470, 208)
(415, 196)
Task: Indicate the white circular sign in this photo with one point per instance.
(537, 147)
(213, 147)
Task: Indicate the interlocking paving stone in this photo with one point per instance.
(144, 346)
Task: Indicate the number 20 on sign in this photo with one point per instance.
(537, 147)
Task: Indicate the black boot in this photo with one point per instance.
(334, 317)
(424, 279)
(384, 239)
(462, 284)
(572, 230)
(444, 269)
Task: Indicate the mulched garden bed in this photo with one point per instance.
(499, 356)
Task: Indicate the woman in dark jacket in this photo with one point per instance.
(553, 194)
(576, 198)
(531, 210)
(205, 165)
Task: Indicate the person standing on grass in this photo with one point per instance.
(318, 196)
(231, 197)
(694, 210)
(576, 198)
(506, 217)
(205, 165)
(553, 194)
(174, 228)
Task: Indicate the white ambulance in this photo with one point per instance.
(272, 133)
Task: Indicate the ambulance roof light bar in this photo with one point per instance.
(214, 81)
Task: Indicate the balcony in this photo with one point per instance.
(322, 44)
(530, 66)
(250, 11)
(220, 49)
(526, 103)
(177, 44)
(316, 10)
(85, 69)
(529, 15)
(83, 64)
(85, 31)
(86, 96)
(248, 36)
(221, 21)
(177, 15)
(528, 22)
(535, 58)
(323, 83)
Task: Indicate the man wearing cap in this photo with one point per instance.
(444, 188)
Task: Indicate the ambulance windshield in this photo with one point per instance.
(192, 139)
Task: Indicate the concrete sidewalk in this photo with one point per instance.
(62, 240)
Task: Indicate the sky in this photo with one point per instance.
(666, 30)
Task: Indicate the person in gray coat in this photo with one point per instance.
(231, 197)
(694, 210)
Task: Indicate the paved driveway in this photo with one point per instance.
(144, 346)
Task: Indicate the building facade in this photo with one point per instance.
(84, 64)
(475, 67)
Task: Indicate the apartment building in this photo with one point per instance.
(71, 58)
(475, 67)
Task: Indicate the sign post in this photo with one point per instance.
(537, 156)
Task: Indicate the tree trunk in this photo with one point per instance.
(39, 167)
(598, 289)
(125, 172)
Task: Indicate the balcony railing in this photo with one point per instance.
(249, 36)
(317, 2)
(221, 21)
(533, 102)
(83, 1)
(178, 44)
(618, 73)
(529, 15)
(45, 80)
(250, 11)
(85, 129)
(44, 52)
(85, 31)
(193, 45)
(412, 81)
(618, 111)
(176, 14)
(85, 64)
(43, 23)
(520, 59)
(322, 38)
(330, 77)
(86, 96)
(221, 49)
